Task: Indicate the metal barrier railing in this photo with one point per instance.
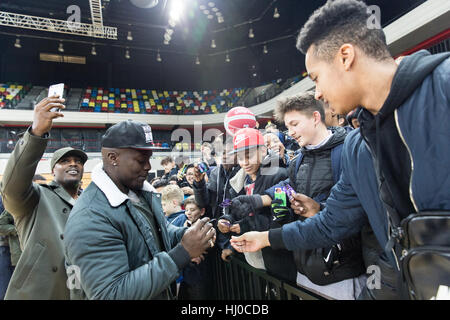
(237, 280)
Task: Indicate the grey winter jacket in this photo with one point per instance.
(111, 244)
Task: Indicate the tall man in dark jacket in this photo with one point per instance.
(40, 211)
(117, 238)
(394, 163)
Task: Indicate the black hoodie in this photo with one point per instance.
(391, 157)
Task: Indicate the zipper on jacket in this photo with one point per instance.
(410, 156)
(387, 213)
(308, 179)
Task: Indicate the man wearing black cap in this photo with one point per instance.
(40, 211)
(117, 239)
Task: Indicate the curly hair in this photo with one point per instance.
(339, 22)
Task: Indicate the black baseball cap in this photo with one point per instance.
(129, 134)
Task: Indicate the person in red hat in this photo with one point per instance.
(258, 172)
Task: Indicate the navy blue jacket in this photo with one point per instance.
(422, 121)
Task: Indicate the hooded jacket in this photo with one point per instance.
(419, 103)
(314, 175)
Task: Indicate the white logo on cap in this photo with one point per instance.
(240, 138)
(148, 133)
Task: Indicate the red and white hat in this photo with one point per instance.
(247, 138)
(238, 118)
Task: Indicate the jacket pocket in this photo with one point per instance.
(27, 263)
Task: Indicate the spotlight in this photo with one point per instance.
(129, 36)
(158, 57)
(197, 61)
(93, 52)
(17, 44)
(61, 48)
(227, 58)
(213, 43)
(251, 35)
(276, 14)
(176, 10)
(127, 54)
(166, 42)
(265, 51)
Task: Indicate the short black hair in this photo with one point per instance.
(303, 102)
(338, 22)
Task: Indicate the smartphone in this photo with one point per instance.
(56, 89)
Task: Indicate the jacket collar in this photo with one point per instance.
(107, 186)
(61, 192)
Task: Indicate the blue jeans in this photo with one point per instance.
(6, 270)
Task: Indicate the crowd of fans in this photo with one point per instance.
(317, 205)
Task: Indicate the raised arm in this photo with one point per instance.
(19, 195)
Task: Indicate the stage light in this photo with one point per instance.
(145, 4)
(197, 61)
(220, 19)
(211, 4)
(167, 37)
(276, 14)
(176, 9)
(227, 58)
(265, 49)
(129, 36)
(213, 44)
(166, 42)
(127, 54)
(17, 44)
(158, 57)
(61, 48)
(251, 35)
(93, 52)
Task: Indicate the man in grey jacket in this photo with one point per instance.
(118, 242)
(40, 211)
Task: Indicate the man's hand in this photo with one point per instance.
(226, 254)
(278, 148)
(198, 238)
(236, 228)
(304, 205)
(43, 117)
(251, 241)
(198, 176)
(223, 225)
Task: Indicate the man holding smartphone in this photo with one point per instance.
(40, 211)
